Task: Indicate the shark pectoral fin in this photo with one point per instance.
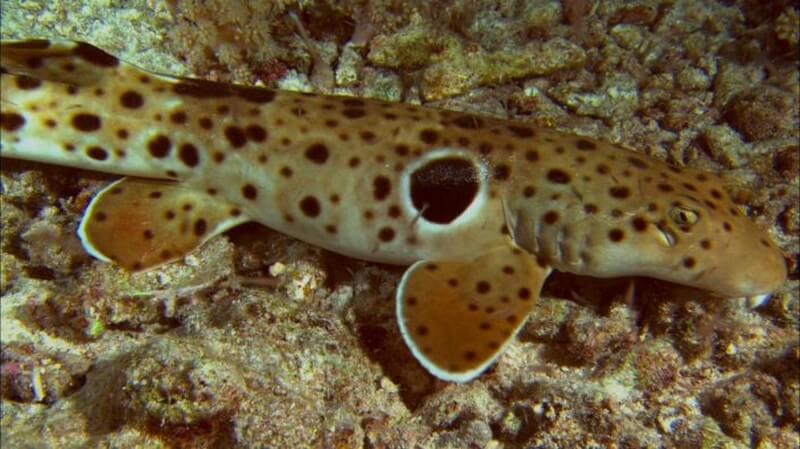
(458, 316)
(139, 223)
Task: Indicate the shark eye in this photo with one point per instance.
(683, 216)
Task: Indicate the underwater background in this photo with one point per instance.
(258, 340)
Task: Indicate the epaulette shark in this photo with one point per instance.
(482, 209)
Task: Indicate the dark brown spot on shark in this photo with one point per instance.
(97, 153)
(131, 99)
(665, 187)
(639, 224)
(11, 121)
(501, 172)
(585, 145)
(310, 206)
(236, 137)
(86, 122)
(529, 191)
(619, 192)
(29, 44)
(558, 176)
(34, 62)
(188, 155)
(353, 113)
(95, 56)
(201, 89)
(616, 235)
(178, 117)
(317, 153)
(443, 189)
(521, 131)
(386, 234)
(551, 217)
(638, 163)
(249, 191)
(256, 133)
(159, 146)
(200, 226)
(28, 83)
(381, 187)
(429, 136)
(256, 94)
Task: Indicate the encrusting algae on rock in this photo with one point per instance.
(488, 206)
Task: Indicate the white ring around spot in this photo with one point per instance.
(471, 213)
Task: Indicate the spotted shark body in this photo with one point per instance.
(482, 209)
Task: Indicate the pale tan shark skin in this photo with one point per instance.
(483, 208)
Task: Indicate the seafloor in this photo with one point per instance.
(261, 341)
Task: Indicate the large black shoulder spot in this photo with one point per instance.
(442, 188)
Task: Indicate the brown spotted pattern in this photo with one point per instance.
(458, 316)
(160, 221)
(485, 207)
(279, 158)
